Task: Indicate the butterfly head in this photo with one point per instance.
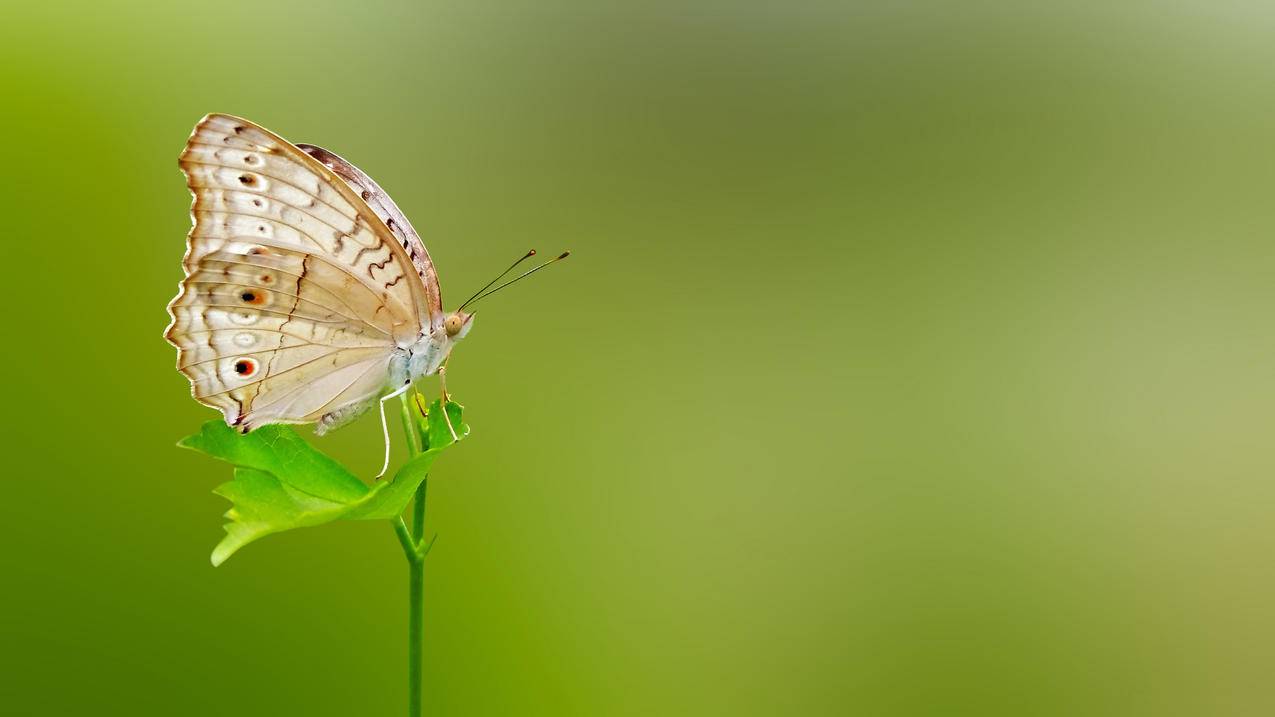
(457, 324)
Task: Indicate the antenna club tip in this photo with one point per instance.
(530, 253)
(564, 255)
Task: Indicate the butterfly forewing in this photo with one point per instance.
(296, 292)
(379, 201)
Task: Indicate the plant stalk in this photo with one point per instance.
(415, 550)
(415, 632)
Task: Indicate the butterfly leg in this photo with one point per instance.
(385, 428)
(442, 383)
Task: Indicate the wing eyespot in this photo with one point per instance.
(251, 296)
(245, 367)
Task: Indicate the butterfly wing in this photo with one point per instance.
(296, 294)
(384, 207)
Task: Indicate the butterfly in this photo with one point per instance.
(308, 297)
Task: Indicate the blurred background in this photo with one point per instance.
(913, 359)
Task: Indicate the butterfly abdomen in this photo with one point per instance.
(341, 416)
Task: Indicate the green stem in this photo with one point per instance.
(405, 538)
(409, 426)
(415, 550)
(415, 634)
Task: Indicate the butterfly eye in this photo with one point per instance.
(452, 325)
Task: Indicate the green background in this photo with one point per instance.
(913, 359)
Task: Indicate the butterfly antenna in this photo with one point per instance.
(480, 296)
(525, 257)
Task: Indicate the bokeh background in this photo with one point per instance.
(914, 359)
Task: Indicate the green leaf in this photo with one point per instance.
(282, 482)
(437, 433)
(279, 450)
(262, 505)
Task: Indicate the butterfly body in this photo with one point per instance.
(426, 356)
(307, 293)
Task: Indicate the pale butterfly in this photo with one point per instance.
(307, 293)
